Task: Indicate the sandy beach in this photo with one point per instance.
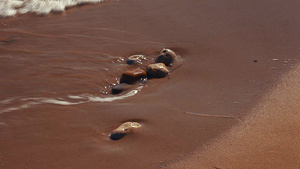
(268, 138)
(231, 104)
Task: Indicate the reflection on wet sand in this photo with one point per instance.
(57, 74)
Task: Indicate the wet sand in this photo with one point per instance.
(81, 52)
(268, 138)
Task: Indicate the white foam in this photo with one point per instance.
(91, 98)
(60, 102)
(13, 7)
(6, 101)
(8, 8)
(23, 106)
(10, 109)
(76, 99)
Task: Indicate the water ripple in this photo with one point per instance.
(69, 100)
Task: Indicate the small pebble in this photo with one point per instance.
(121, 88)
(166, 56)
(124, 129)
(135, 59)
(254, 60)
(133, 76)
(157, 70)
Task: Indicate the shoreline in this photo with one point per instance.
(267, 138)
(61, 55)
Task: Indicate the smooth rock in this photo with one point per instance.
(135, 59)
(166, 56)
(121, 88)
(123, 129)
(157, 70)
(133, 76)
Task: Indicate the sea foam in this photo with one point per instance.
(24, 103)
(13, 7)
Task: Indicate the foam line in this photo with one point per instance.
(76, 99)
(13, 7)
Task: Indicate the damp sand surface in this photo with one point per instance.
(267, 139)
(56, 74)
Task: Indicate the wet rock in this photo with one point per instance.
(133, 76)
(135, 59)
(121, 88)
(157, 70)
(124, 129)
(166, 56)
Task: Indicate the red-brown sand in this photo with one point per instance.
(268, 138)
(81, 51)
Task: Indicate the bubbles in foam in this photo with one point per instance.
(13, 7)
(9, 7)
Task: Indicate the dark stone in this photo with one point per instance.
(133, 76)
(255, 61)
(116, 136)
(120, 88)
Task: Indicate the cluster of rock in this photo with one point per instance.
(131, 77)
(156, 70)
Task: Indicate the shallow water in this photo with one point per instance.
(64, 63)
(57, 70)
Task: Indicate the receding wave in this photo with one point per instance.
(13, 7)
(23, 103)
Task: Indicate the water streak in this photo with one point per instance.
(69, 100)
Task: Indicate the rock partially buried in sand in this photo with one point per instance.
(121, 88)
(166, 56)
(157, 70)
(135, 59)
(124, 129)
(133, 76)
